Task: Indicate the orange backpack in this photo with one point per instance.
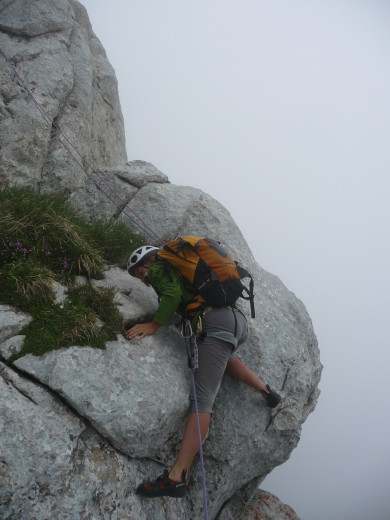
(210, 270)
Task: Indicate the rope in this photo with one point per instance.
(191, 342)
(70, 148)
(206, 515)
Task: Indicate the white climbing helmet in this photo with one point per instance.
(136, 257)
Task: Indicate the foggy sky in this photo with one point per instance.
(287, 102)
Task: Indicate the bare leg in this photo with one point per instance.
(240, 371)
(189, 445)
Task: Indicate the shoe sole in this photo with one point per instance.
(177, 492)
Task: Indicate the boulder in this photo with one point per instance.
(266, 506)
(135, 394)
(117, 187)
(53, 464)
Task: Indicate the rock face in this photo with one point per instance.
(121, 413)
(81, 428)
(61, 61)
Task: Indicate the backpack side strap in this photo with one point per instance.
(243, 273)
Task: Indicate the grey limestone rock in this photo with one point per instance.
(117, 187)
(11, 346)
(12, 321)
(64, 65)
(266, 506)
(140, 173)
(38, 437)
(135, 394)
(59, 292)
(133, 299)
(53, 464)
(121, 389)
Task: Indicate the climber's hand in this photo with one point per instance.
(142, 330)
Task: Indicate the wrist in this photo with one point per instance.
(155, 325)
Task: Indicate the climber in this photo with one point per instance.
(215, 357)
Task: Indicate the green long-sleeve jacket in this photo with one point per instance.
(174, 292)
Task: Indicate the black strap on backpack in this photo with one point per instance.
(244, 274)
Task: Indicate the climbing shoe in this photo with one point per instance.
(272, 398)
(163, 486)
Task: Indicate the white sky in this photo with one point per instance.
(281, 111)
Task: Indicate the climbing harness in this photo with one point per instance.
(190, 338)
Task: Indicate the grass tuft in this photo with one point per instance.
(42, 240)
(43, 229)
(22, 282)
(114, 241)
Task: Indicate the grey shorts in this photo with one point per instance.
(215, 350)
